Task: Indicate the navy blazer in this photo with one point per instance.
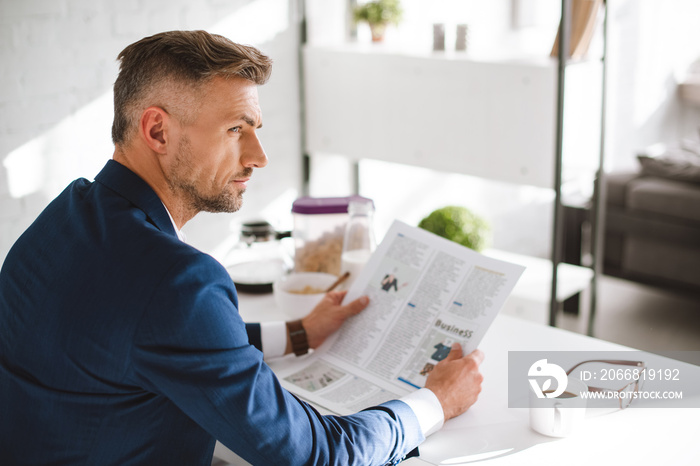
(121, 345)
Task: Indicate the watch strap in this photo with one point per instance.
(297, 335)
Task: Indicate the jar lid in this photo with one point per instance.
(360, 206)
(324, 205)
(260, 230)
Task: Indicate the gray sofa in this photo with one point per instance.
(652, 221)
(652, 229)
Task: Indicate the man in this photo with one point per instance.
(120, 344)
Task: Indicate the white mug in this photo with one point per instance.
(560, 416)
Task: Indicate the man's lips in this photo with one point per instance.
(242, 180)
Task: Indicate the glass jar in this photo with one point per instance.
(258, 258)
(359, 241)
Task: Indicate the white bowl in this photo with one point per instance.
(299, 304)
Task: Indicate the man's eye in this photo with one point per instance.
(237, 129)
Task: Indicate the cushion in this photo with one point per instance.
(664, 197)
(680, 163)
(616, 185)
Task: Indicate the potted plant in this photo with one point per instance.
(378, 14)
(460, 225)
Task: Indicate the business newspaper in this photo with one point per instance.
(425, 293)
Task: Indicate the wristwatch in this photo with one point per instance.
(297, 335)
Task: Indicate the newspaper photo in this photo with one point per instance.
(426, 293)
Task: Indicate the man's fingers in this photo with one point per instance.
(336, 297)
(477, 355)
(456, 353)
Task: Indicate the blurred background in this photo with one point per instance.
(59, 63)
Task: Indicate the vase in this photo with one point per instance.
(378, 30)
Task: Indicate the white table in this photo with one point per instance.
(640, 436)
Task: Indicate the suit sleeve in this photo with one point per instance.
(254, 335)
(193, 348)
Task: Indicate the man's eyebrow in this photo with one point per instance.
(250, 121)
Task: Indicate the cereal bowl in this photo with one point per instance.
(298, 293)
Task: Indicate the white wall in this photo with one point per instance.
(58, 66)
(651, 45)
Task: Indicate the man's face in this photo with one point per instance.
(216, 153)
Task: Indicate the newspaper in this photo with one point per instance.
(425, 293)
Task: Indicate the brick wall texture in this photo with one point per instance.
(58, 66)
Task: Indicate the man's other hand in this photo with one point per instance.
(456, 381)
(329, 315)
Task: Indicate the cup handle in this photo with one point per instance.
(556, 427)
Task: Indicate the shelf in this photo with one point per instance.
(384, 50)
(536, 282)
(530, 298)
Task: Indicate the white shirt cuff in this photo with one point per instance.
(427, 408)
(274, 338)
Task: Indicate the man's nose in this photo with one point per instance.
(253, 153)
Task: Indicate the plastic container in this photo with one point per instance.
(319, 227)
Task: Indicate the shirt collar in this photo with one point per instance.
(178, 232)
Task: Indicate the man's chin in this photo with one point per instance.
(221, 205)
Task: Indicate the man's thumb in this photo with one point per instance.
(455, 352)
(356, 306)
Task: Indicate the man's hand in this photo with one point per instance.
(456, 381)
(329, 315)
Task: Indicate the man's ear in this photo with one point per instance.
(153, 127)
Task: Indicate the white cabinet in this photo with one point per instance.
(492, 118)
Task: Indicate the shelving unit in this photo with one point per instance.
(496, 117)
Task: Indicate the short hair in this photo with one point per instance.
(156, 67)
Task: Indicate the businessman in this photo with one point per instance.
(120, 344)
